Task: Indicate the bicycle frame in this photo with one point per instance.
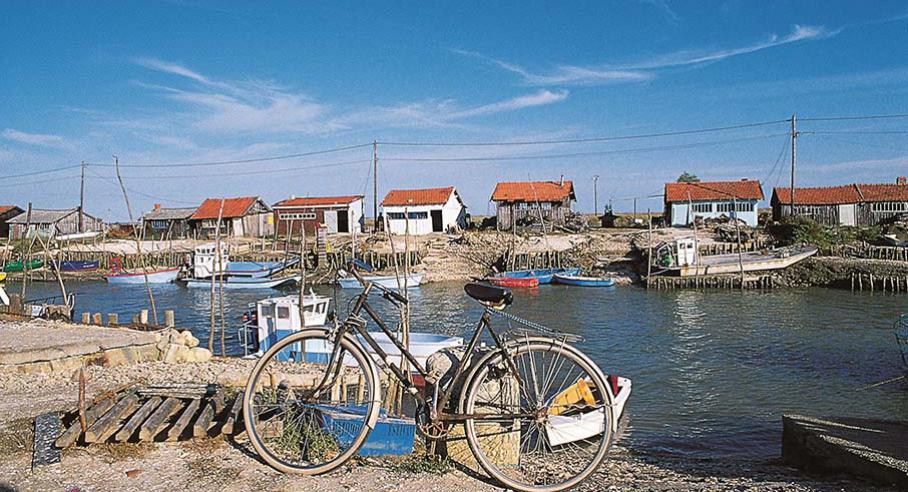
(353, 321)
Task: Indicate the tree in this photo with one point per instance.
(688, 178)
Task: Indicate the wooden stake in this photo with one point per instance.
(217, 238)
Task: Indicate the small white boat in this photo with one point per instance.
(564, 429)
(422, 345)
(268, 320)
(244, 282)
(154, 277)
(387, 281)
(682, 258)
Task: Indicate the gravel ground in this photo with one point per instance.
(218, 465)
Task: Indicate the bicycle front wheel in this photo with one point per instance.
(541, 417)
(306, 413)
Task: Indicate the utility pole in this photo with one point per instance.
(794, 147)
(374, 186)
(596, 195)
(82, 200)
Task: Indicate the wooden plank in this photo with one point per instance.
(214, 405)
(174, 433)
(137, 418)
(75, 430)
(234, 415)
(105, 426)
(158, 419)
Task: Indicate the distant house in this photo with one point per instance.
(167, 223)
(424, 211)
(847, 205)
(7, 212)
(50, 223)
(338, 214)
(246, 216)
(685, 202)
(515, 201)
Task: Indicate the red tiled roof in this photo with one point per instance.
(429, 196)
(315, 201)
(882, 192)
(841, 195)
(532, 191)
(715, 190)
(831, 195)
(6, 208)
(233, 208)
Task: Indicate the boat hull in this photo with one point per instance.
(17, 266)
(156, 277)
(244, 283)
(564, 429)
(583, 281)
(749, 262)
(258, 269)
(79, 266)
(526, 282)
(543, 275)
(388, 281)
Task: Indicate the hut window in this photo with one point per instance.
(395, 215)
(283, 312)
(419, 215)
(724, 207)
(299, 216)
(703, 207)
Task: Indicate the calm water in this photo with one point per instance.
(712, 371)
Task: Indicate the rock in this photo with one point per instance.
(172, 354)
(199, 354)
(133, 473)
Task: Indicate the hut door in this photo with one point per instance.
(437, 223)
(331, 220)
(343, 221)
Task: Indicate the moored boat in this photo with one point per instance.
(18, 266)
(78, 265)
(163, 276)
(268, 320)
(543, 275)
(388, 281)
(571, 426)
(514, 282)
(259, 269)
(231, 282)
(682, 258)
(581, 281)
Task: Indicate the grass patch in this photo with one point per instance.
(17, 436)
(423, 464)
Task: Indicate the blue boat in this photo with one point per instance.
(544, 275)
(78, 265)
(581, 281)
(259, 269)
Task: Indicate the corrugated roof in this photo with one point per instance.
(744, 189)
(170, 213)
(532, 191)
(841, 195)
(41, 216)
(428, 196)
(233, 208)
(315, 201)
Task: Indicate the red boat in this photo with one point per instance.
(525, 282)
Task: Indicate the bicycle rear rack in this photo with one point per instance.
(532, 326)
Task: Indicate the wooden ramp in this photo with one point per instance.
(155, 414)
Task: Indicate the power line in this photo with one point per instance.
(252, 173)
(778, 160)
(852, 118)
(580, 154)
(46, 171)
(242, 161)
(587, 140)
(147, 195)
(859, 132)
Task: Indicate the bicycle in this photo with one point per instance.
(537, 412)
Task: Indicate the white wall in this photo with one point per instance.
(452, 213)
(679, 213)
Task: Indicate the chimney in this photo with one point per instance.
(901, 180)
(561, 180)
(157, 206)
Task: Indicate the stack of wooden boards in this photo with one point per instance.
(155, 413)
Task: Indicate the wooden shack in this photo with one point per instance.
(167, 223)
(337, 214)
(7, 212)
(246, 216)
(51, 223)
(848, 205)
(517, 202)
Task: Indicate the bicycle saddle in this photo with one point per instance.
(491, 296)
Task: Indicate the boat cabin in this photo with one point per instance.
(685, 251)
(206, 262)
(276, 317)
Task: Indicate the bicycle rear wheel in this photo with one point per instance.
(542, 417)
(306, 414)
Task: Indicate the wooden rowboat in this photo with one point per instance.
(581, 281)
(154, 277)
(17, 266)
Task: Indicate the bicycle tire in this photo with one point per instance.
(371, 380)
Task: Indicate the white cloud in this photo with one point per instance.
(540, 98)
(646, 69)
(37, 139)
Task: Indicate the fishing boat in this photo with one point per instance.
(18, 266)
(78, 265)
(231, 282)
(387, 281)
(544, 275)
(268, 320)
(514, 282)
(581, 281)
(567, 426)
(681, 258)
(259, 269)
(163, 276)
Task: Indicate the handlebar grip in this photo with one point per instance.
(396, 296)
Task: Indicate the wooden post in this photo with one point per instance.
(112, 319)
(649, 249)
(217, 233)
(169, 318)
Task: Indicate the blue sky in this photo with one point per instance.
(188, 82)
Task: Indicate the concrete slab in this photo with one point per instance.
(873, 449)
(28, 342)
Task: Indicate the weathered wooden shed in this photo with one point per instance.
(167, 223)
(518, 201)
(50, 223)
(7, 212)
(847, 205)
(246, 216)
